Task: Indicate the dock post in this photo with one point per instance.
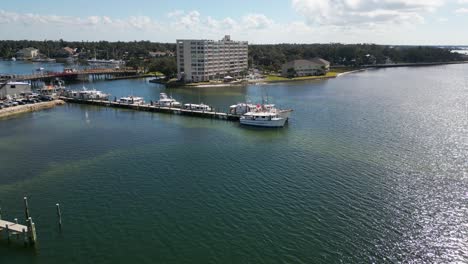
(7, 233)
(25, 237)
(26, 208)
(17, 234)
(59, 216)
(32, 232)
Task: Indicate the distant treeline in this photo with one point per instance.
(273, 56)
(267, 57)
(86, 49)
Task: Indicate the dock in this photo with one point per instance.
(27, 232)
(155, 108)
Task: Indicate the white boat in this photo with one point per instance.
(263, 118)
(87, 94)
(166, 101)
(198, 107)
(40, 69)
(132, 100)
(241, 108)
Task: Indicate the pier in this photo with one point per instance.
(155, 108)
(93, 74)
(27, 232)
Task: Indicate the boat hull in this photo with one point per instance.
(263, 123)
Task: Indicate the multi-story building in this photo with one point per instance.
(204, 60)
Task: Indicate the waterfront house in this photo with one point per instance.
(13, 89)
(204, 60)
(70, 51)
(27, 53)
(297, 68)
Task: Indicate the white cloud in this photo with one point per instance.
(256, 21)
(364, 12)
(461, 11)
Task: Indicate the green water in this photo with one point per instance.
(372, 167)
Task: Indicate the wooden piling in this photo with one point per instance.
(32, 232)
(59, 216)
(25, 237)
(26, 208)
(17, 233)
(7, 233)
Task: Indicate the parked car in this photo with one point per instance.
(6, 104)
(13, 103)
(46, 98)
(20, 101)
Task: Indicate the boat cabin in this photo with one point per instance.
(131, 100)
(197, 107)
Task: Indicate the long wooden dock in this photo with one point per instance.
(155, 108)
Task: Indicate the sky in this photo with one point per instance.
(394, 22)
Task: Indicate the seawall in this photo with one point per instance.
(14, 110)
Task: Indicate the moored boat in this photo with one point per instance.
(197, 107)
(241, 108)
(263, 118)
(87, 94)
(132, 100)
(167, 101)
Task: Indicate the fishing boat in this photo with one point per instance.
(263, 118)
(197, 107)
(167, 101)
(242, 108)
(132, 100)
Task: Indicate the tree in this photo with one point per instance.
(291, 72)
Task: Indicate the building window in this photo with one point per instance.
(12, 86)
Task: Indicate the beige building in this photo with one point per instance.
(203, 60)
(13, 89)
(315, 66)
(27, 53)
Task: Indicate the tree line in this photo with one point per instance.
(271, 57)
(264, 57)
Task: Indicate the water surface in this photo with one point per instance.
(372, 167)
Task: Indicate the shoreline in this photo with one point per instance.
(315, 78)
(19, 109)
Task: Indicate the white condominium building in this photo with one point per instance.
(203, 60)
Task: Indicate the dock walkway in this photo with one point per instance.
(154, 108)
(13, 227)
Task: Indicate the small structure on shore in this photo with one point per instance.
(27, 53)
(228, 79)
(12, 89)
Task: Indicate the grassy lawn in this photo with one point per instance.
(156, 73)
(272, 78)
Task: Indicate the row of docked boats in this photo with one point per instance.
(165, 101)
(261, 115)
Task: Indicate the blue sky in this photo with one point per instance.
(280, 21)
